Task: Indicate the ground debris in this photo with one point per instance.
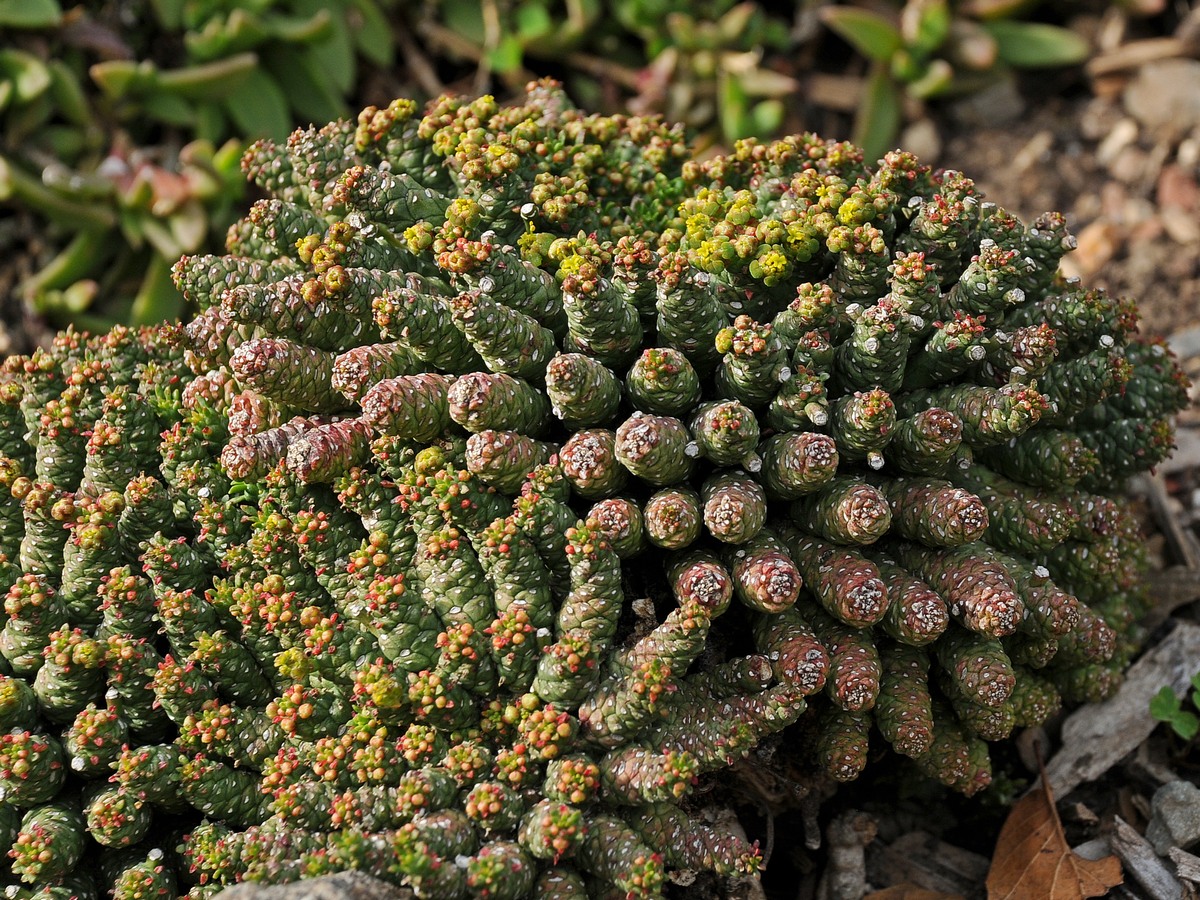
(1095, 737)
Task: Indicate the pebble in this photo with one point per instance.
(923, 139)
(1120, 136)
(994, 106)
(1181, 226)
(1175, 819)
(1130, 165)
(1165, 95)
(1098, 243)
(1177, 188)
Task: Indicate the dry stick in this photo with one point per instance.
(845, 874)
(1140, 860)
(445, 39)
(1183, 543)
(1187, 866)
(419, 64)
(1097, 736)
(602, 68)
(1171, 588)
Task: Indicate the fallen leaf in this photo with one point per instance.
(910, 892)
(1033, 858)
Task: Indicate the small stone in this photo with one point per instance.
(1130, 165)
(1175, 821)
(1181, 226)
(1165, 95)
(1098, 118)
(1120, 136)
(996, 105)
(1177, 188)
(922, 138)
(1098, 243)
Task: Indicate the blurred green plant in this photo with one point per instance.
(935, 48)
(122, 127)
(733, 69)
(1166, 707)
(701, 63)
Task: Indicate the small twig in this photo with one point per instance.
(1183, 543)
(450, 41)
(492, 35)
(1143, 863)
(810, 807)
(837, 92)
(845, 876)
(419, 65)
(1136, 54)
(770, 844)
(1171, 589)
(628, 78)
(1187, 866)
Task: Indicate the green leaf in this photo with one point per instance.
(869, 33)
(767, 116)
(334, 55)
(936, 79)
(189, 226)
(157, 299)
(465, 18)
(169, 108)
(30, 13)
(878, 116)
(69, 302)
(211, 122)
(506, 56)
(120, 77)
(208, 81)
(1164, 706)
(310, 96)
(1186, 725)
(925, 25)
(29, 75)
(731, 103)
(169, 12)
(69, 98)
(533, 21)
(1034, 45)
(372, 33)
(259, 108)
(1196, 681)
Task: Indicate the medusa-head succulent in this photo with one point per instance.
(518, 474)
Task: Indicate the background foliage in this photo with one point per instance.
(122, 123)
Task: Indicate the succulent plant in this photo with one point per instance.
(477, 534)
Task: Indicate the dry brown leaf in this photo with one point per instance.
(1033, 859)
(910, 892)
